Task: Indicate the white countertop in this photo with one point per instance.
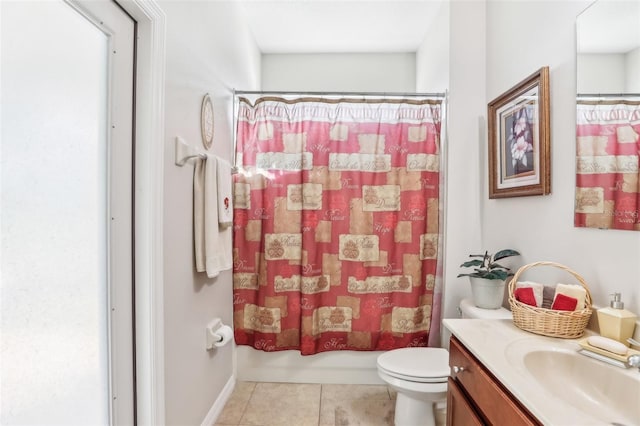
(493, 343)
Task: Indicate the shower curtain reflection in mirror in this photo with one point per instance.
(608, 152)
(337, 224)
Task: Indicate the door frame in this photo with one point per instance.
(148, 208)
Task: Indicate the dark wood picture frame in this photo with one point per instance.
(519, 140)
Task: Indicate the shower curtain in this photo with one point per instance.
(337, 224)
(607, 174)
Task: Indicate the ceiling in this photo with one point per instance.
(330, 26)
(350, 26)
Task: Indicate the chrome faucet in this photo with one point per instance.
(634, 361)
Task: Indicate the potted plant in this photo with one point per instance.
(488, 277)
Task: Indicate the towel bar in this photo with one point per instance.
(184, 152)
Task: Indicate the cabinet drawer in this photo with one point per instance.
(492, 401)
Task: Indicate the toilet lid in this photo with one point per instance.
(416, 364)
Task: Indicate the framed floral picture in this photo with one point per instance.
(519, 147)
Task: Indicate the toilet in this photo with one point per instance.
(467, 309)
(419, 375)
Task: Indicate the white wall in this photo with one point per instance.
(209, 50)
(465, 152)
(601, 73)
(340, 72)
(541, 227)
(432, 57)
(632, 71)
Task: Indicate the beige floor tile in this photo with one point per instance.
(355, 405)
(286, 404)
(364, 412)
(235, 406)
(280, 404)
(342, 392)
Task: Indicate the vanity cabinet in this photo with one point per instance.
(476, 397)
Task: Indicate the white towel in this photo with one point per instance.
(537, 290)
(572, 290)
(225, 199)
(212, 244)
(198, 215)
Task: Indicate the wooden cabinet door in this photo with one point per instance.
(493, 403)
(459, 410)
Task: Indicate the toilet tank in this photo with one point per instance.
(468, 309)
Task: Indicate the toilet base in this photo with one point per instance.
(413, 412)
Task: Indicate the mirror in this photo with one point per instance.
(608, 116)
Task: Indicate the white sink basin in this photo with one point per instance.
(607, 393)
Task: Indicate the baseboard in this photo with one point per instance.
(217, 407)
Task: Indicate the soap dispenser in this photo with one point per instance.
(616, 322)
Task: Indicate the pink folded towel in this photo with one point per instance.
(564, 303)
(525, 295)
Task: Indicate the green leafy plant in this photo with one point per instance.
(486, 267)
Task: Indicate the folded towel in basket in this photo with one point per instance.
(525, 295)
(536, 288)
(572, 290)
(564, 303)
(548, 294)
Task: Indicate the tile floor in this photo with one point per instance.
(288, 404)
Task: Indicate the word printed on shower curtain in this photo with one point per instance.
(608, 150)
(336, 224)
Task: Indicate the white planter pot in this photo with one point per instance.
(487, 294)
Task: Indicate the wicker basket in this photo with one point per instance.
(564, 324)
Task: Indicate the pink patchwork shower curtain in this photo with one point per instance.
(608, 153)
(336, 224)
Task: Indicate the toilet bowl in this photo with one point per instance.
(419, 375)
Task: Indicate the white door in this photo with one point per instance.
(66, 88)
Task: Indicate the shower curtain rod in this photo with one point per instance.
(359, 94)
(608, 95)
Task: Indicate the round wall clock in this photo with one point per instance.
(206, 121)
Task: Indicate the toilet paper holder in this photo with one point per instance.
(213, 337)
